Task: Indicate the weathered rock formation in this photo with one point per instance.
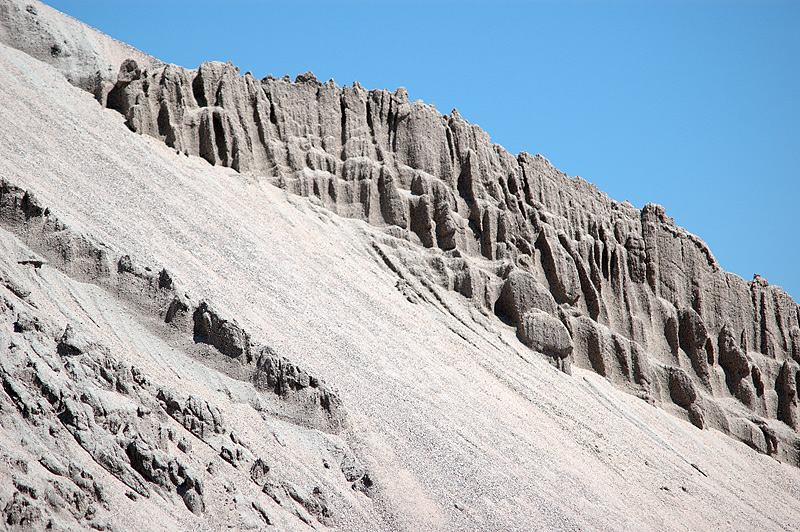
(548, 253)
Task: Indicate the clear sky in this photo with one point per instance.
(692, 105)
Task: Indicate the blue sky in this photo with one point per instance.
(692, 105)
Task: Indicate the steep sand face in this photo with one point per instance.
(327, 349)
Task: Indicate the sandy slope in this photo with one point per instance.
(462, 427)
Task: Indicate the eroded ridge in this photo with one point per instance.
(625, 288)
(584, 279)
